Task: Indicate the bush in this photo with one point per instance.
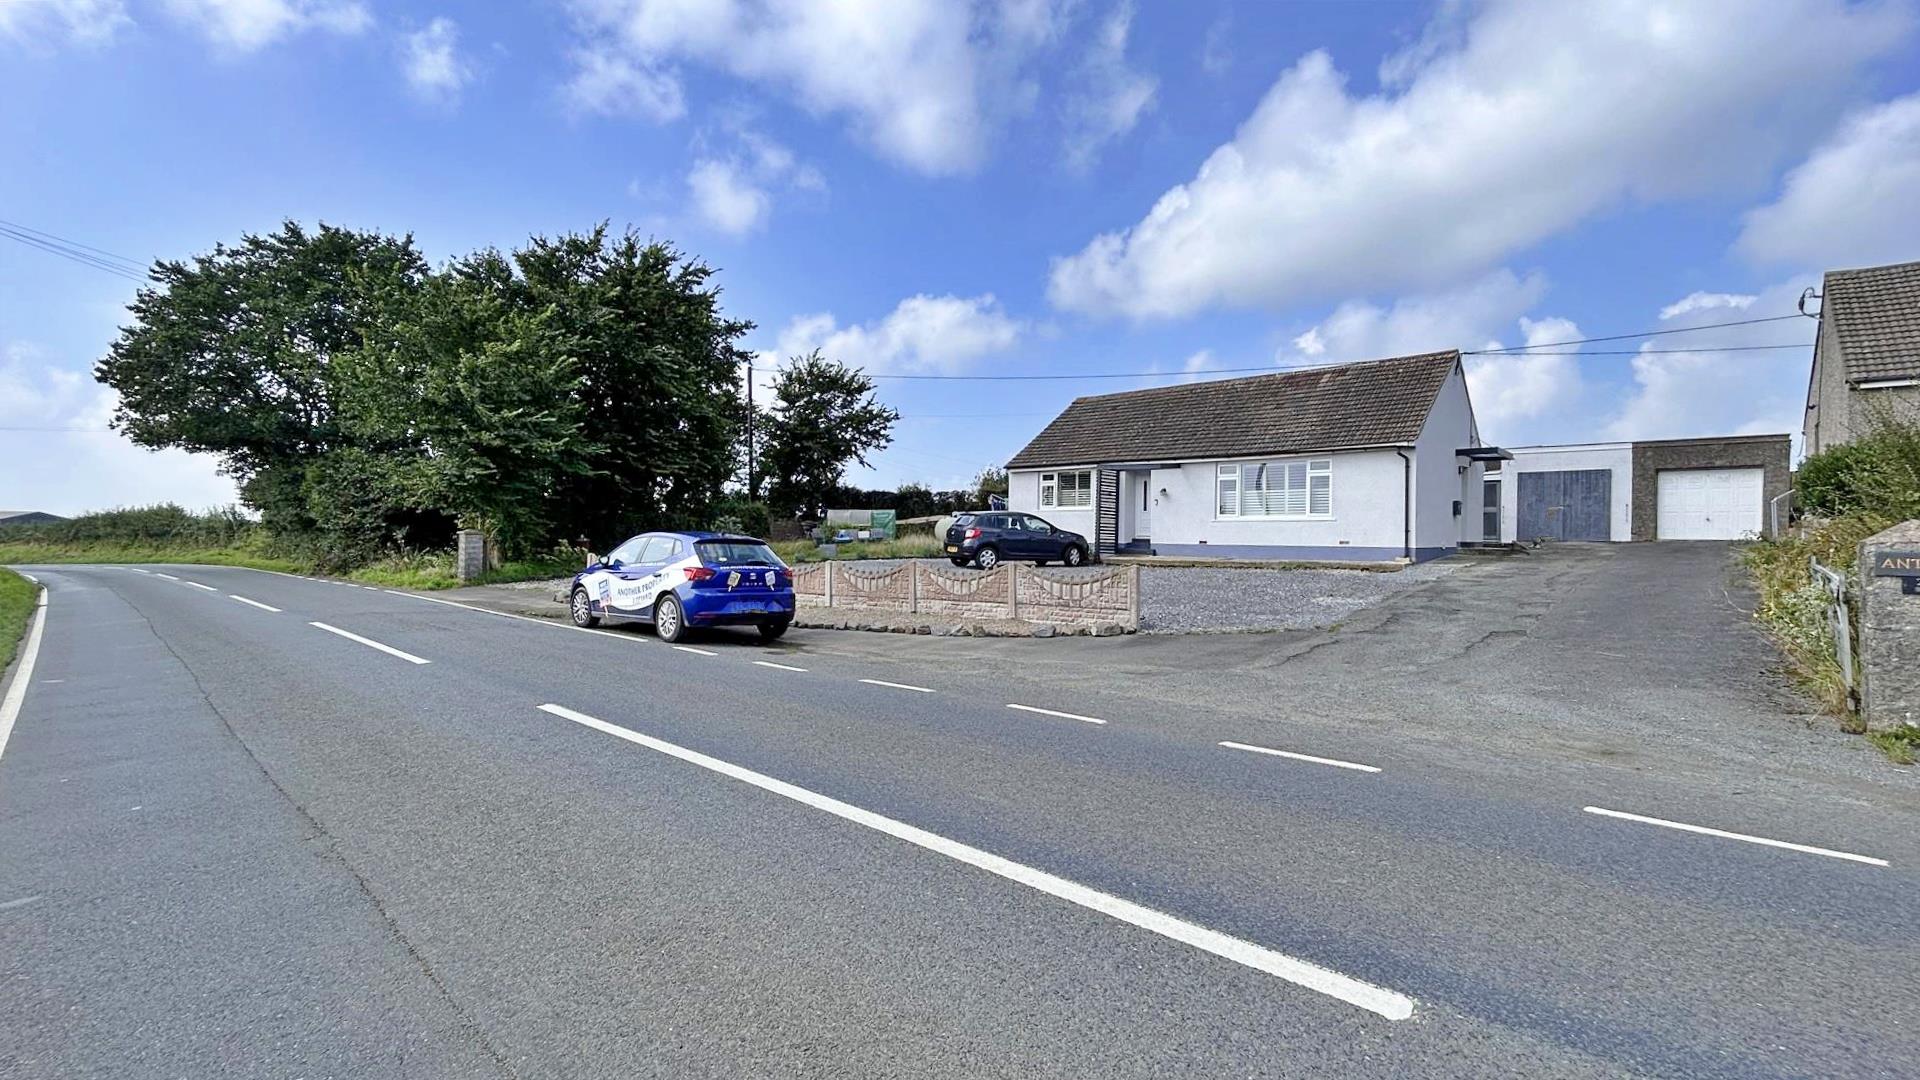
(1794, 607)
(739, 514)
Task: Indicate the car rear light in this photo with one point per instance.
(699, 573)
(972, 534)
(783, 577)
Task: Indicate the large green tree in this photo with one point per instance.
(823, 418)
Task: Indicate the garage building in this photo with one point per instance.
(1669, 489)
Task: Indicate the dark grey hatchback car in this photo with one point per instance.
(986, 538)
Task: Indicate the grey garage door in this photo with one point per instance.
(1573, 504)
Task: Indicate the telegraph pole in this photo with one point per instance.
(752, 492)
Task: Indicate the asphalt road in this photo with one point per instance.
(233, 842)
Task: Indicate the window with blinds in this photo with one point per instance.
(1067, 489)
(1275, 489)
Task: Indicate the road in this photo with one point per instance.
(245, 830)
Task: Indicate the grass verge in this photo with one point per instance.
(425, 570)
(1899, 745)
(17, 599)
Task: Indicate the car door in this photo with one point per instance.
(603, 584)
(1045, 544)
(1021, 543)
(632, 579)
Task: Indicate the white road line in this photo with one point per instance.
(898, 685)
(1302, 973)
(1063, 715)
(254, 603)
(1336, 763)
(698, 652)
(28, 576)
(169, 577)
(137, 570)
(781, 667)
(197, 585)
(1704, 831)
(17, 690)
(370, 643)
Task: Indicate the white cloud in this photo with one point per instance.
(1513, 393)
(731, 192)
(1216, 51)
(1528, 119)
(1707, 301)
(431, 59)
(919, 80)
(1110, 97)
(922, 335)
(1852, 203)
(82, 22)
(246, 25)
(1709, 390)
(605, 82)
(727, 199)
(82, 466)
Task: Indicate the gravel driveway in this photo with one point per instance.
(1185, 600)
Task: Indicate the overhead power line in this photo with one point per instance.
(131, 264)
(1643, 333)
(105, 261)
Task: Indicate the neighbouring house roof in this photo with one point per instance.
(1876, 319)
(27, 517)
(1373, 403)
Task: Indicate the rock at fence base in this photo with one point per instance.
(1107, 629)
(923, 629)
(975, 630)
(1044, 630)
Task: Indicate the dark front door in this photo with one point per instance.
(1573, 504)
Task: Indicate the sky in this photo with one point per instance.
(1076, 188)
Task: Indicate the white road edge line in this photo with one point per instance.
(1062, 715)
(197, 585)
(1375, 999)
(1335, 762)
(782, 667)
(697, 652)
(254, 603)
(169, 577)
(137, 570)
(370, 643)
(17, 691)
(1724, 835)
(28, 576)
(898, 685)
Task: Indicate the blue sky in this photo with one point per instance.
(1009, 187)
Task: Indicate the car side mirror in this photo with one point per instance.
(614, 564)
(592, 558)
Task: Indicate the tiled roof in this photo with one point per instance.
(1375, 403)
(1876, 318)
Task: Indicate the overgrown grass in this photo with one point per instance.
(17, 598)
(906, 547)
(1899, 745)
(419, 570)
(1794, 607)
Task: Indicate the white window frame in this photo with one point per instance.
(1232, 476)
(1050, 490)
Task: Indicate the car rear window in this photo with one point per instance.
(736, 553)
(963, 519)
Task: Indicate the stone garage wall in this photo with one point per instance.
(1078, 596)
(1768, 453)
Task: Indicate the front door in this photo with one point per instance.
(1142, 511)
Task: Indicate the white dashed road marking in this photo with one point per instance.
(1375, 999)
(1062, 715)
(169, 577)
(697, 652)
(1743, 837)
(197, 585)
(1336, 763)
(898, 685)
(370, 643)
(782, 667)
(254, 603)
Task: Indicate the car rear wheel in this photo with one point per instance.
(1074, 555)
(582, 609)
(669, 619)
(987, 559)
(771, 631)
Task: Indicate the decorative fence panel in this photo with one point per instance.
(1078, 596)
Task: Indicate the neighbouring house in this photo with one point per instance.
(1866, 359)
(1723, 488)
(27, 517)
(1372, 462)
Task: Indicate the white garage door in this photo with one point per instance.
(1710, 504)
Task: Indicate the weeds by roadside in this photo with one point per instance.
(17, 598)
(417, 570)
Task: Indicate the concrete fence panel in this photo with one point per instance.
(885, 588)
(962, 593)
(1083, 596)
(810, 585)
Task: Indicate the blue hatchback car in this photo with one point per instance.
(680, 581)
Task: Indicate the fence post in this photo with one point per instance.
(1839, 621)
(829, 582)
(470, 554)
(1013, 589)
(913, 588)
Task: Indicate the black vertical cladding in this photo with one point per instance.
(1106, 511)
